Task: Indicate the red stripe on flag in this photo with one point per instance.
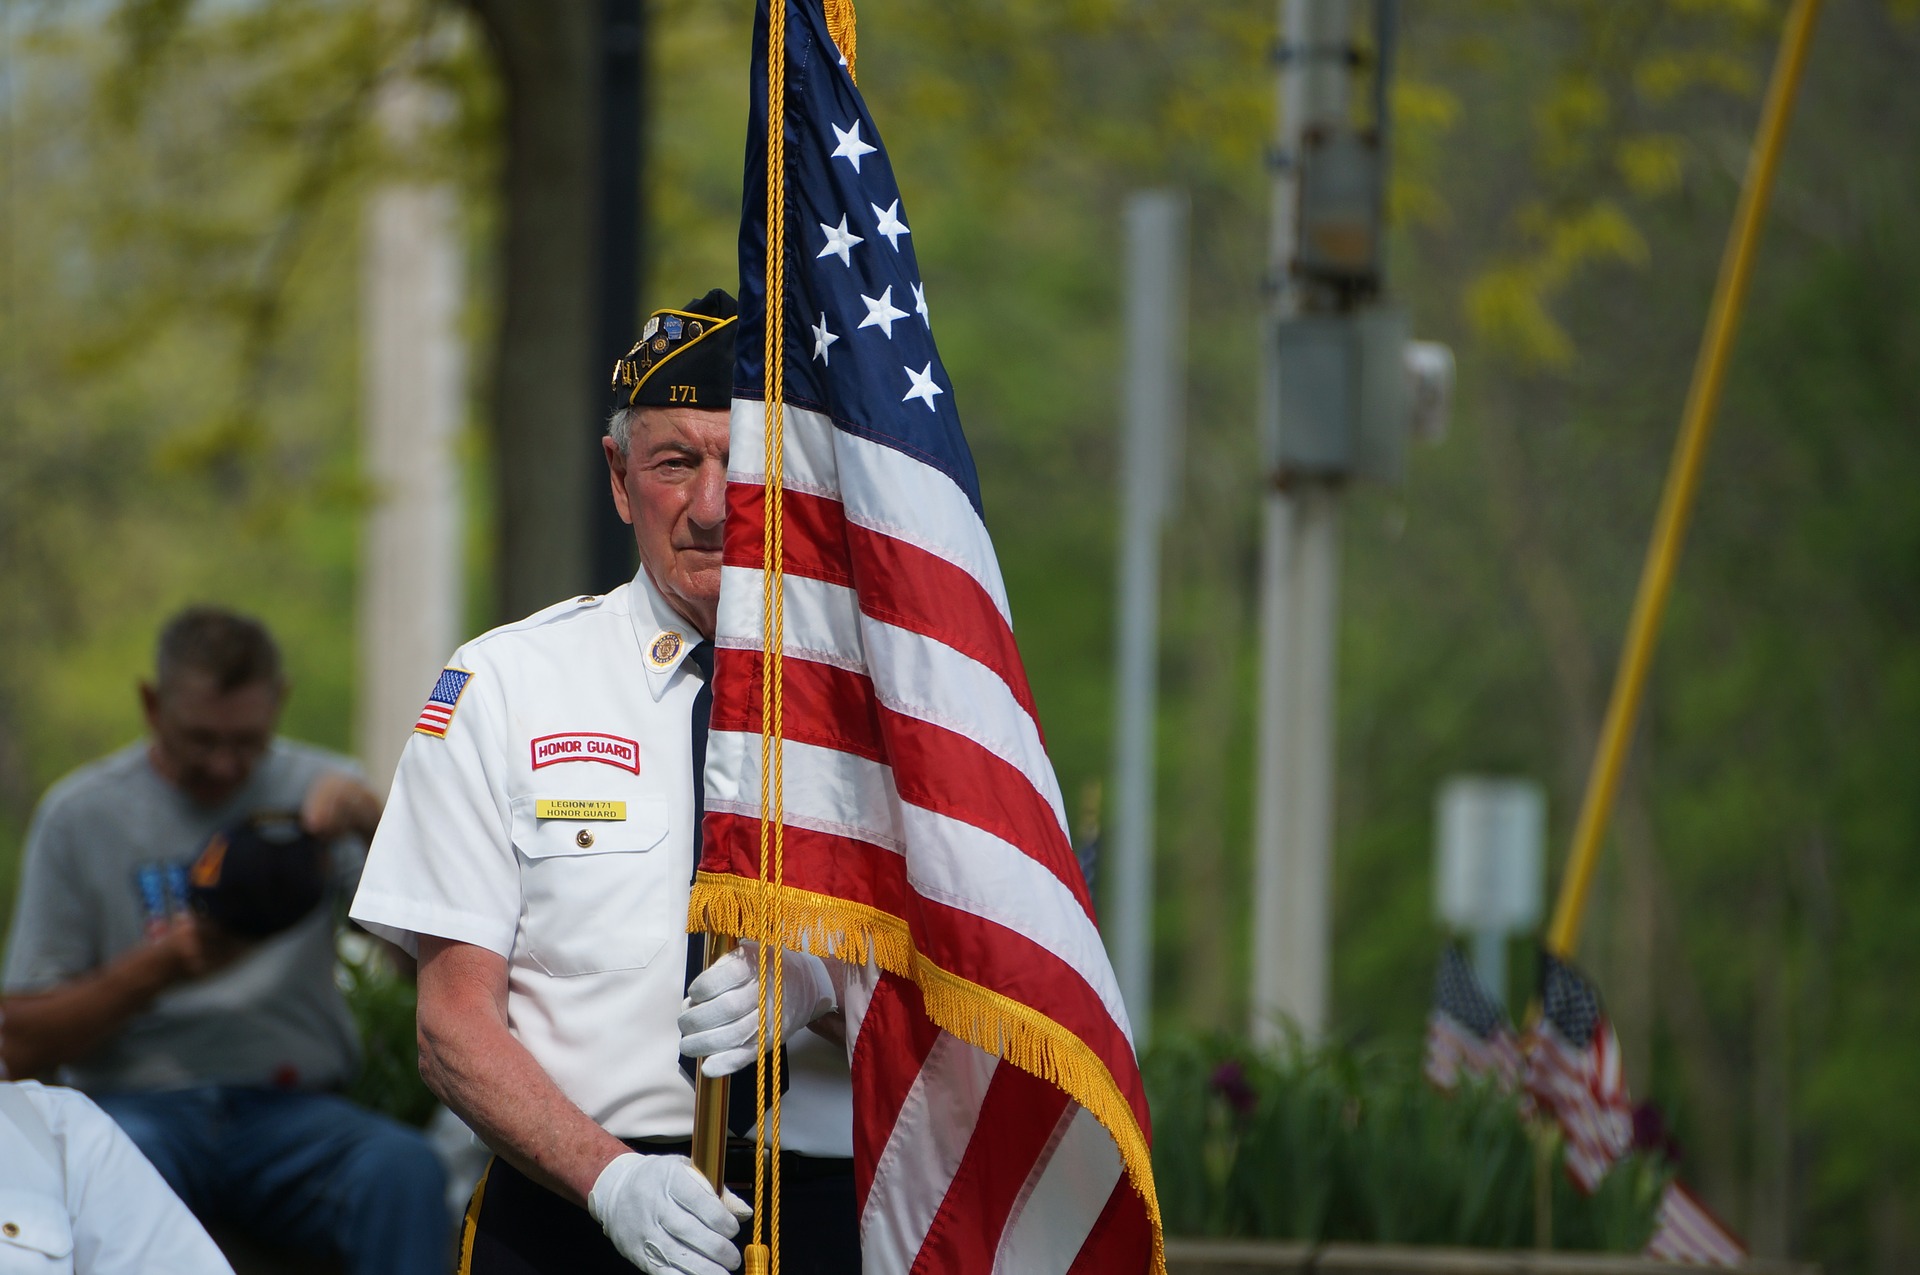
(895, 1037)
(1017, 1120)
(896, 582)
(1120, 1235)
(934, 768)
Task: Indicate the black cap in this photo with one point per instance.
(260, 876)
(684, 358)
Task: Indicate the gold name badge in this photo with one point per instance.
(546, 808)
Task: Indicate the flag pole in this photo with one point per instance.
(1683, 480)
(710, 1096)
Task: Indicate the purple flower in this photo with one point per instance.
(1230, 1082)
(1651, 1135)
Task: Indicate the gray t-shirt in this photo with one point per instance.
(106, 858)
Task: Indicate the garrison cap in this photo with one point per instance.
(259, 876)
(684, 358)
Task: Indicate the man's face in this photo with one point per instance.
(206, 741)
(672, 486)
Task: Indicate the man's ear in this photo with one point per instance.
(617, 476)
(150, 704)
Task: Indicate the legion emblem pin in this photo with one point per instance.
(665, 649)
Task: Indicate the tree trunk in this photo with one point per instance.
(543, 381)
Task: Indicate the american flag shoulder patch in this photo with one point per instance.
(445, 697)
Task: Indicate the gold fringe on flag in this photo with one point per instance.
(840, 27)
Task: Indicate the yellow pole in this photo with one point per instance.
(710, 1098)
(1683, 479)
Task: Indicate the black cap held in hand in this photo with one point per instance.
(684, 358)
(260, 876)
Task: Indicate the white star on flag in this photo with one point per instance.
(920, 304)
(890, 224)
(923, 386)
(822, 339)
(839, 241)
(851, 148)
(881, 314)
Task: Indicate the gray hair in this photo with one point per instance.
(620, 428)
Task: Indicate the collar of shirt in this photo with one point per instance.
(664, 634)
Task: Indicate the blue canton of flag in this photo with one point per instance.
(858, 333)
(438, 714)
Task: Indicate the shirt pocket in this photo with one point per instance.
(35, 1233)
(597, 895)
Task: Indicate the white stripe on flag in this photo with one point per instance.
(953, 691)
(924, 1149)
(1062, 1199)
(883, 489)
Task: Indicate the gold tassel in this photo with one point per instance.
(840, 27)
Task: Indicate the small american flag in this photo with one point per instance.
(1574, 1072)
(438, 714)
(1000, 1123)
(1687, 1231)
(1467, 1030)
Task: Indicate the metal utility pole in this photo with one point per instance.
(1156, 224)
(1337, 402)
(1299, 583)
(413, 403)
(617, 266)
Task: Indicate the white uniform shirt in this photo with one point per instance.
(102, 1209)
(552, 823)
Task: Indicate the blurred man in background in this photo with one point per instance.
(172, 954)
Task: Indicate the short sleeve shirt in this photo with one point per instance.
(113, 1214)
(543, 810)
(106, 864)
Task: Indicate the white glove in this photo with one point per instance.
(664, 1218)
(721, 1021)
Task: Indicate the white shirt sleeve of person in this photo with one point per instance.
(119, 1216)
(442, 861)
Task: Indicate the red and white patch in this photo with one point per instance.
(611, 750)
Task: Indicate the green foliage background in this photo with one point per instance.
(179, 198)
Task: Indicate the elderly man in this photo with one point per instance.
(220, 1050)
(537, 853)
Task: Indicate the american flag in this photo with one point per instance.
(441, 701)
(1573, 1071)
(1687, 1231)
(1000, 1121)
(1467, 1029)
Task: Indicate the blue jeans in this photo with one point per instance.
(305, 1171)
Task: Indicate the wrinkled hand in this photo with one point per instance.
(664, 1217)
(721, 1021)
(336, 804)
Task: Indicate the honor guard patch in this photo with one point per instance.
(438, 714)
(665, 649)
(610, 750)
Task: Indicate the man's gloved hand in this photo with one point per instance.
(721, 1022)
(664, 1218)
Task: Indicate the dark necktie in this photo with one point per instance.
(741, 1101)
(700, 659)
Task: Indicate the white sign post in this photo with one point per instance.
(1488, 869)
